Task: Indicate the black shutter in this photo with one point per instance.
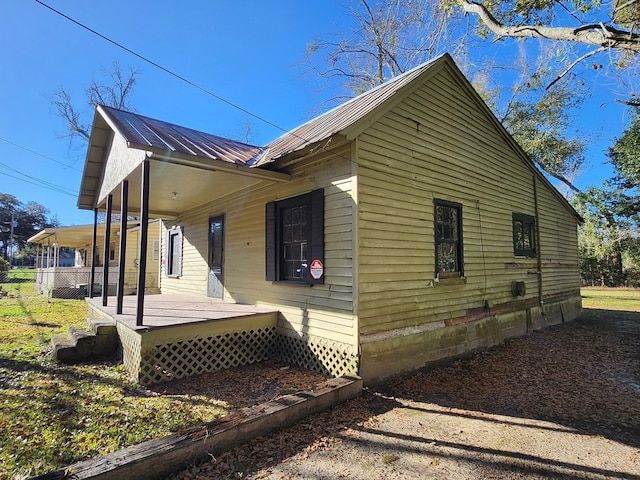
(167, 254)
(179, 237)
(316, 250)
(270, 241)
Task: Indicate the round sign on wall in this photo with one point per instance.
(316, 269)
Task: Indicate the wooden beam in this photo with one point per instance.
(144, 234)
(220, 166)
(105, 260)
(124, 198)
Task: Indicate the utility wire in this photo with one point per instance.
(54, 188)
(224, 100)
(166, 70)
(41, 182)
(40, 154)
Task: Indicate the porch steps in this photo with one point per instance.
(98, 339)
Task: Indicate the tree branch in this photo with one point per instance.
(573, 64)
(595, 34)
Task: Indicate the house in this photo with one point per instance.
(402, 227)
(66, 274)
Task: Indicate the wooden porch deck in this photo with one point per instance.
(185, 335)
(172, 310)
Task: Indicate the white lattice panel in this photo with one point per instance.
(318, 354)
(198, 355)
(131, 343)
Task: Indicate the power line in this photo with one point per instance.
(164, 69)
(44, 183)
(218, 97)
(54, 188)
(40, 154)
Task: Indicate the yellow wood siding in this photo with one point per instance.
(439, 144)
(559, 247)
(324, 311)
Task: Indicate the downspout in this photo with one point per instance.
(538, 249)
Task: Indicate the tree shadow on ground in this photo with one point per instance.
(583, 374)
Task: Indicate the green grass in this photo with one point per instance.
(52, 415)
(602, 298)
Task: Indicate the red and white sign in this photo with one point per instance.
(316, 269)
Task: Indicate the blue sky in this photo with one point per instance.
(246, 51)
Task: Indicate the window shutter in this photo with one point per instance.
(316, 251)
(167, 254)
(178, 253)
(270, 241)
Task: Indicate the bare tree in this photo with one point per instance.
(387, 37)
(115, 93)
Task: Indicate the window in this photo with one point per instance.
(174, 252)
(524, 234)
(294, 238)
(448, 239)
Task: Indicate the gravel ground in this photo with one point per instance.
(561, 403)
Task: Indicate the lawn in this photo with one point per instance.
(602, 298)
(54, 415)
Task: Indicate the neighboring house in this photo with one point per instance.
(402, 227)
(61, 273)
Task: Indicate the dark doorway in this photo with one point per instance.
(215, 286)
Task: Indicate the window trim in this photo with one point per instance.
(460, 245)
(174, 234)
(526, 220)
(314, 201)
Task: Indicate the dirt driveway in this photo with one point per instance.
(561, 403)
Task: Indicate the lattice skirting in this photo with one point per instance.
(318, 354)
(158, 362)
(194, 356)
(131, 343)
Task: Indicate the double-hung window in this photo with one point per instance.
(524, 235)
(448, 239)
(294, 239)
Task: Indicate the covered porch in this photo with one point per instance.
(186, 335)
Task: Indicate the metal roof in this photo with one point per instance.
(342, 116)
(75, 235)
(151, 134)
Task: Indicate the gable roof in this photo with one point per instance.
(147, 133)
(348, 119)
(343, 116)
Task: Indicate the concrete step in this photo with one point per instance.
(98, 339)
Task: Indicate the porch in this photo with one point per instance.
(186, 335)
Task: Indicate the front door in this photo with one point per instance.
(216, 257)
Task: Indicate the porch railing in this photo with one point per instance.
(73, 282)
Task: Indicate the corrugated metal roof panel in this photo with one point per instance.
(340, 117)
(144, 132)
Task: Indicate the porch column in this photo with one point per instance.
(124, 206)
(105, 260)
(144, 231)
(94, 250)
